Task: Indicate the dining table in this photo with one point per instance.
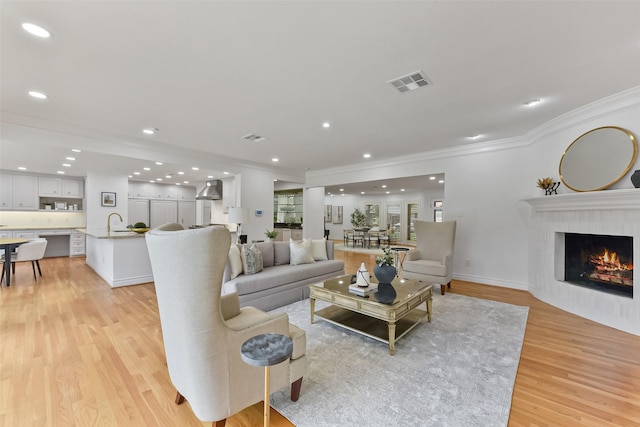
(9, 244)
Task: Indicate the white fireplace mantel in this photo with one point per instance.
(608, 212)
(587, 201)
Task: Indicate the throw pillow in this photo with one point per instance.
(251, 259)
(235, 261)
(300, 252)
(280, 253)
(267, 253)
(319, 248)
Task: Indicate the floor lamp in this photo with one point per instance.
(238, 216)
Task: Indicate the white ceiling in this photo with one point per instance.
(206, 73)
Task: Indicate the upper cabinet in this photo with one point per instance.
(58, 187)
(170, 192)
(186, 193)
(25, 192)
(145, 190)
(6, 191)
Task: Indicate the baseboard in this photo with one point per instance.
(492, 281)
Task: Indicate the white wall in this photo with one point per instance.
(256, 192)
(486, 182)
(97, 215)
(313, 209)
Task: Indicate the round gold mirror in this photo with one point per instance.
(598, 159)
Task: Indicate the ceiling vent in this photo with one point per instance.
(410, 82)
(253, 137)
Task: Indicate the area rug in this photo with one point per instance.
(458, 370)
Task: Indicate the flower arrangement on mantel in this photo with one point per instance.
(548, 185)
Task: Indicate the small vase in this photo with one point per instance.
(385, 294)
(552, 190)
(384, 273)
(635, 179)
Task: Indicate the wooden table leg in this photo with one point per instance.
(312, 305)
(392, 338)
(429, 309)
(267, 404)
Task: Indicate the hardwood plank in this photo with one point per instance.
(77, 353)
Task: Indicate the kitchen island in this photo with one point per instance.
(120, 257)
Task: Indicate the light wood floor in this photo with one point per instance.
(74, 352)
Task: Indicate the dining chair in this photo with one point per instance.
(32, 251)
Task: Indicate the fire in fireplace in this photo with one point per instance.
(600, 262)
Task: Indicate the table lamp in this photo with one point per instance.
(238, 216)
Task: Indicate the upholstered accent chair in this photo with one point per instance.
(432, 259)
(203, 330)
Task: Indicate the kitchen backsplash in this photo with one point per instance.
(44, 219)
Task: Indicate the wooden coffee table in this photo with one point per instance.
(367, 316)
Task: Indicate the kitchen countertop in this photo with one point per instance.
(39, 227)
(101, 233)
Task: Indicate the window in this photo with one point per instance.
(372, 212)
(412, 214)
(437, 210)
(393, 222)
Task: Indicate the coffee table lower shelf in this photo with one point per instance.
(370, 326)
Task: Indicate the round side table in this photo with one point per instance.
(266, 350)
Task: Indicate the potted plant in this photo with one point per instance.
(271, 234)
(358, 219)
(384, 270)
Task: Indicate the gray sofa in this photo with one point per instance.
(280, 283)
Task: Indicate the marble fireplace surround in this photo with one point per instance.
(609, 212)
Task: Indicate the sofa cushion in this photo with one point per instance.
(235, 261)
(319, 249)
(300, 252)
(267, 253)
(251, 259)
(280, 253)
(425, 266)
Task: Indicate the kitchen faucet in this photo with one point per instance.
(109, 220)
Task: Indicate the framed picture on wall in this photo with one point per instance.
(108, 199)
(337, 214)
(327, 213)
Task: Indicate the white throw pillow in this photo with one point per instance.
(235, 261)
(300, 252)
(251, 259)
(319, 249)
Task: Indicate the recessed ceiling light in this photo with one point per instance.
(177, 183)
(147, 169)
(209, 176)
(366, 156)
(226, 173)
(159, 163)
(195, 168)
(362, 192)
(186, 182)
(136, 173)
(61, 172)
(388, 192)
(384, 185)
(432, 178)
(66, 165)
(75, 150)
(167, 176)
(326, 125)
(275, 180)
(70, 158)
(38, 95)
(441, 181)
(152, 180)
(22, 168)
(275, 160)
(149, 131)
(532, 102)
(342, 189)
(36, 30)
(402, 189)
(158, 179)
(180, 173)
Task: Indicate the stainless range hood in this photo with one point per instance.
(212, 191)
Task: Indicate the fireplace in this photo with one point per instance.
(600, 262)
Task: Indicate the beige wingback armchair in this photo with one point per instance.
(203, 331)
(432, 259)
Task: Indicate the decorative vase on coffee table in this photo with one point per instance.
(384, 273)
(385, 294)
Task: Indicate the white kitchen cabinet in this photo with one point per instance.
(139, 189)
(156, 191)
(161, 212)
(77, 244)
(25, 234)
(170, 192)
(49, 187)
(187, 213)
(25, 192)
(73, 188)
(6, 191)
(228, 194)
(186, 193)
(138, 211)
(6, 235)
